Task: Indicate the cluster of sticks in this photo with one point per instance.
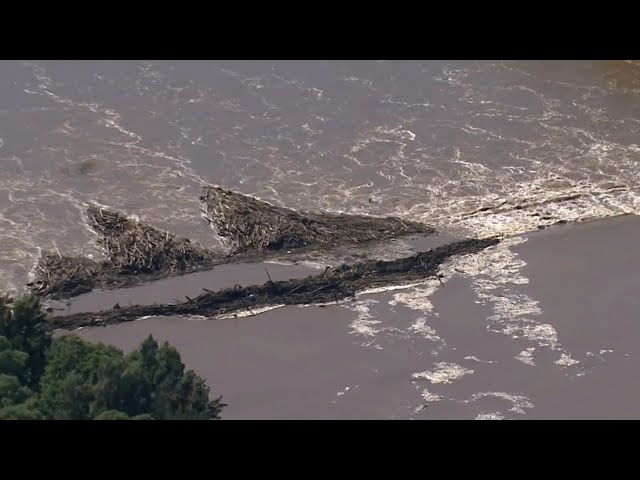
(59, 276)
(253, 225)
(135, 247)
(138, 252)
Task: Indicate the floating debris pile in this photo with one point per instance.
(59, 276)
(332, 285)
(249, 224)
(137, 252)
(135, 247)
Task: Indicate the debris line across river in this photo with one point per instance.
(332, 285)
(253, 231)
(249, 224)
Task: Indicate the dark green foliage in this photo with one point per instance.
(13, 362)
(112, 415)
(117, 415)
(77, 380)
(85, 380)
(23, 324)
(175, 394)
(12, 392)
(23, 411)
(81, 379)
(144, 416)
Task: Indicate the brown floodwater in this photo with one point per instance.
(314, 362)
(471, 147)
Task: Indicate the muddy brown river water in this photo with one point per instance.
(559, 342)
(472, 147)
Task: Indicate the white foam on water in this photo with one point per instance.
(495, 274)
(566, 360)
(345, 390)
(430, 397)
(547, 208)
(490, 416)
(526, 356)
(544, 334)
(518, 402)
(365, 324)
(444, 372)
(476, 359)
(245, 313)
(420, 327)
(391, 288)
(418, 298)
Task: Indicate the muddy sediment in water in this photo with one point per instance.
(332, 285)
(251, 225)
(254, 230)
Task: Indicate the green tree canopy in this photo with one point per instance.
(23, 324)
(23, 411)
(159, 385)
(12, 392)
(81, 379)
(68, 378)
(84, 380)
(13, 362)
(112, 415)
